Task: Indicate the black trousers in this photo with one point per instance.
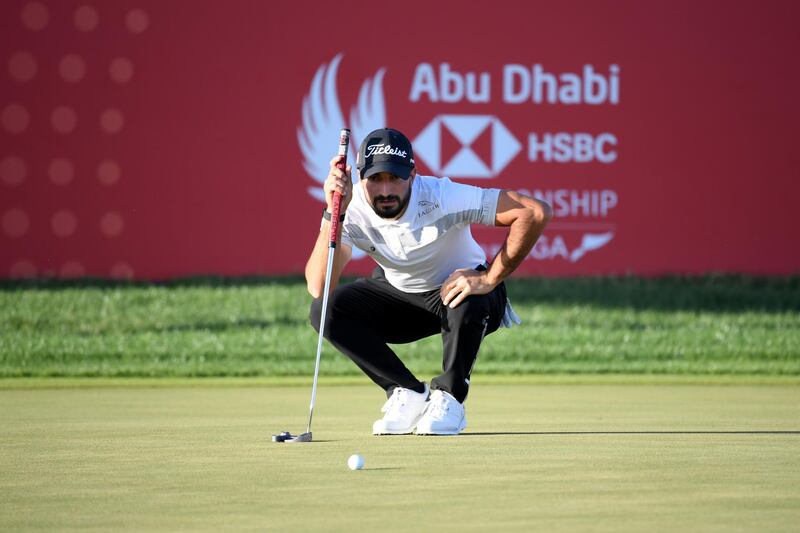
(365, 315)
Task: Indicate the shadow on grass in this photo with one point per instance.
(713, 292)
(744, 432)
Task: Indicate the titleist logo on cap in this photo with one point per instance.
(380, 149)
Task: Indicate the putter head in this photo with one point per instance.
(303, 437)
(282, 436)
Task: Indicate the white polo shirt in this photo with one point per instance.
(431, 240)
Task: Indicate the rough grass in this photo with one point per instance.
(712, 325)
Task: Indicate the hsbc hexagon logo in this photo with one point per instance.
(466, 146)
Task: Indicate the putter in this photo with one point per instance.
(344, 143)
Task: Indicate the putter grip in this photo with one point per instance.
(344, 143)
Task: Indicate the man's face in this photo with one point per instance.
(388, 194)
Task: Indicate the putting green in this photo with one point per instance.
(548, 457)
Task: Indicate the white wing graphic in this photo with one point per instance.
(369, 113)
(322, 121)
(589, 242)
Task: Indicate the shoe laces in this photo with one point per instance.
(396, 401)
(439, 405)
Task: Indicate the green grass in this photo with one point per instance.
(713, 325)
(546, 457)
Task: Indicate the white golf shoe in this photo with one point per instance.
(402, 409)
(443, 416)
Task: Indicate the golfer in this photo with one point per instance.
(432, 277)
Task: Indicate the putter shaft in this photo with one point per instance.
(328, 271)
(344, 143)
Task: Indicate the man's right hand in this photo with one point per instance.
(338, 181)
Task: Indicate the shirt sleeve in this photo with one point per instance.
(469, 204)
(345, 237)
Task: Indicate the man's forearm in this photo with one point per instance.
(318, 262)
(522, 236)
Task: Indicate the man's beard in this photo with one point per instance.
(390, 212)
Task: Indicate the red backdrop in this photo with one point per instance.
(154, 139)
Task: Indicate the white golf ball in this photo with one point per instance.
(355, 462)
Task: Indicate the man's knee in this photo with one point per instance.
(315, 314)
(335, 299)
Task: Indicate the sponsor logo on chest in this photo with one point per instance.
(425, 208)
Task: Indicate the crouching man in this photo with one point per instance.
(432, 277)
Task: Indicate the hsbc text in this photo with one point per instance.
(572, 147)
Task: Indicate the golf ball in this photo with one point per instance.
(355, 462)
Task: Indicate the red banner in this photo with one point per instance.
(161, 139)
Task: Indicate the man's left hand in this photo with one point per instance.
(462, 283)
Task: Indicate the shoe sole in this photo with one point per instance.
(461, 427)
(408, 431)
